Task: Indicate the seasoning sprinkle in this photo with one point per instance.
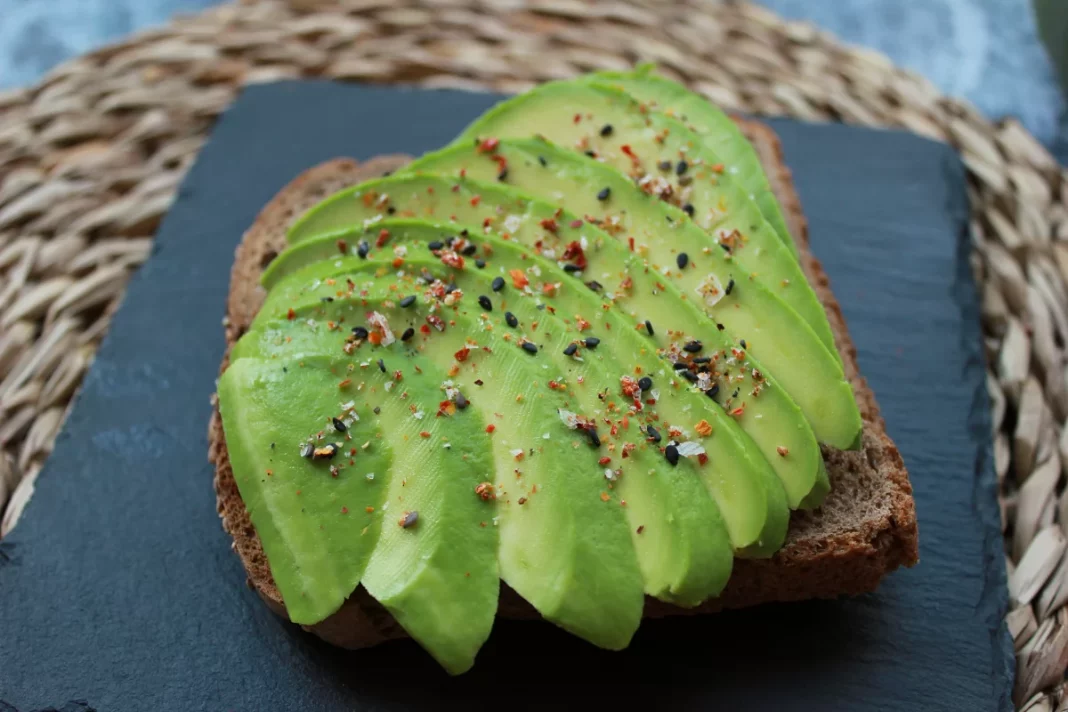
(649, 328)
(571, 349)
(682, 260)
(693, 346)
(408, 333)
(485, 303)
(510, 318)
(672, 454)
(498, 284)
(409, 519)
(606, 130)
(339, 425)
(603, 194)
(530, 347)
(407, 301)
(592, 342)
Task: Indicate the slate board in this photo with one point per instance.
(120, 587)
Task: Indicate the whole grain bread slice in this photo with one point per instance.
(865, 529)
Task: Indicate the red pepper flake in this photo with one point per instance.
(604, 461)
(435, 321)
(640, 529)
(383, 237)
(575, 223)
(345, 384)
(703, 428)
(488, 145)
(424, 434)
(554, 386)
(550, 225)
(369, 509)
(270, 472)
(490, 428)
(549, 288)
(630, 243)
(398, 376)
(424, 329)
(738, 411)
(578, 118)
(522, 500)
(446, 408)
(783, 452)
(344, 510)
(486, 491)
(604, 497)
(475, 201)
(342, 246)
(581, 324)
(627, 447)
(574, 253)
(397, 262)
(519, 278)
(462, 354)
(291, 315)
(630, 387)
(452, 259)
(717, 167)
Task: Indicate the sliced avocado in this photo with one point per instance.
(666, 159)
(739, 477)
(776, 336)
(621, 276)
(719, 132)
(563, 548)
(315, 529)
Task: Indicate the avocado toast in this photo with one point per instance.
(565, 444)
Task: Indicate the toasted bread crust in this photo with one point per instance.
(865, 529)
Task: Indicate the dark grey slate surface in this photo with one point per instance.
(119, 586)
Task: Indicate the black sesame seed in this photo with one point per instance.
(654, 434)
(603, 194)
(377, 410)
(679, 366)
(571, 349)
(306, 450)
(408, 333)
(481, 264)
(592, 342)
(720, 326)
(730, 286)
(497, 284)
(725, 246)
(571, 269)
(485, 303)
(689, 376)
(735, 394)
(542, 161)
(326, 299)
(688, 209)
(713, 391)
(339, 425)
(702, 359)
(390, 210)
(606, 130)
(409, 519)
(510, 318)
(681, 167)
(470, 250)
(693, 346)
(664, 165)
(530, 347)
(682, 260)
(595, 439)
(594, 285)
(742, 342)
(461, 402)
(503, 175)
(649, 328)
(645, 383)
(590, 154)
(360, 332)
(672, 454)
(435, 245)
(407, 301)
(427, 277)
(362, 249)
(381, 365)
(465, 232)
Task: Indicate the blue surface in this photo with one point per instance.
(985, 50)
(120, 586)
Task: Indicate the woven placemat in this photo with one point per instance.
(90, 159)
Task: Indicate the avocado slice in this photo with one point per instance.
(666, 159)
(564, 549)
(777, 337)
(749, 497)
(720, 133)
(644, 298)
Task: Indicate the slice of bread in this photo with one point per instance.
(865, 529)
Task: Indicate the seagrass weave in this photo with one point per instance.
(90, 159)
